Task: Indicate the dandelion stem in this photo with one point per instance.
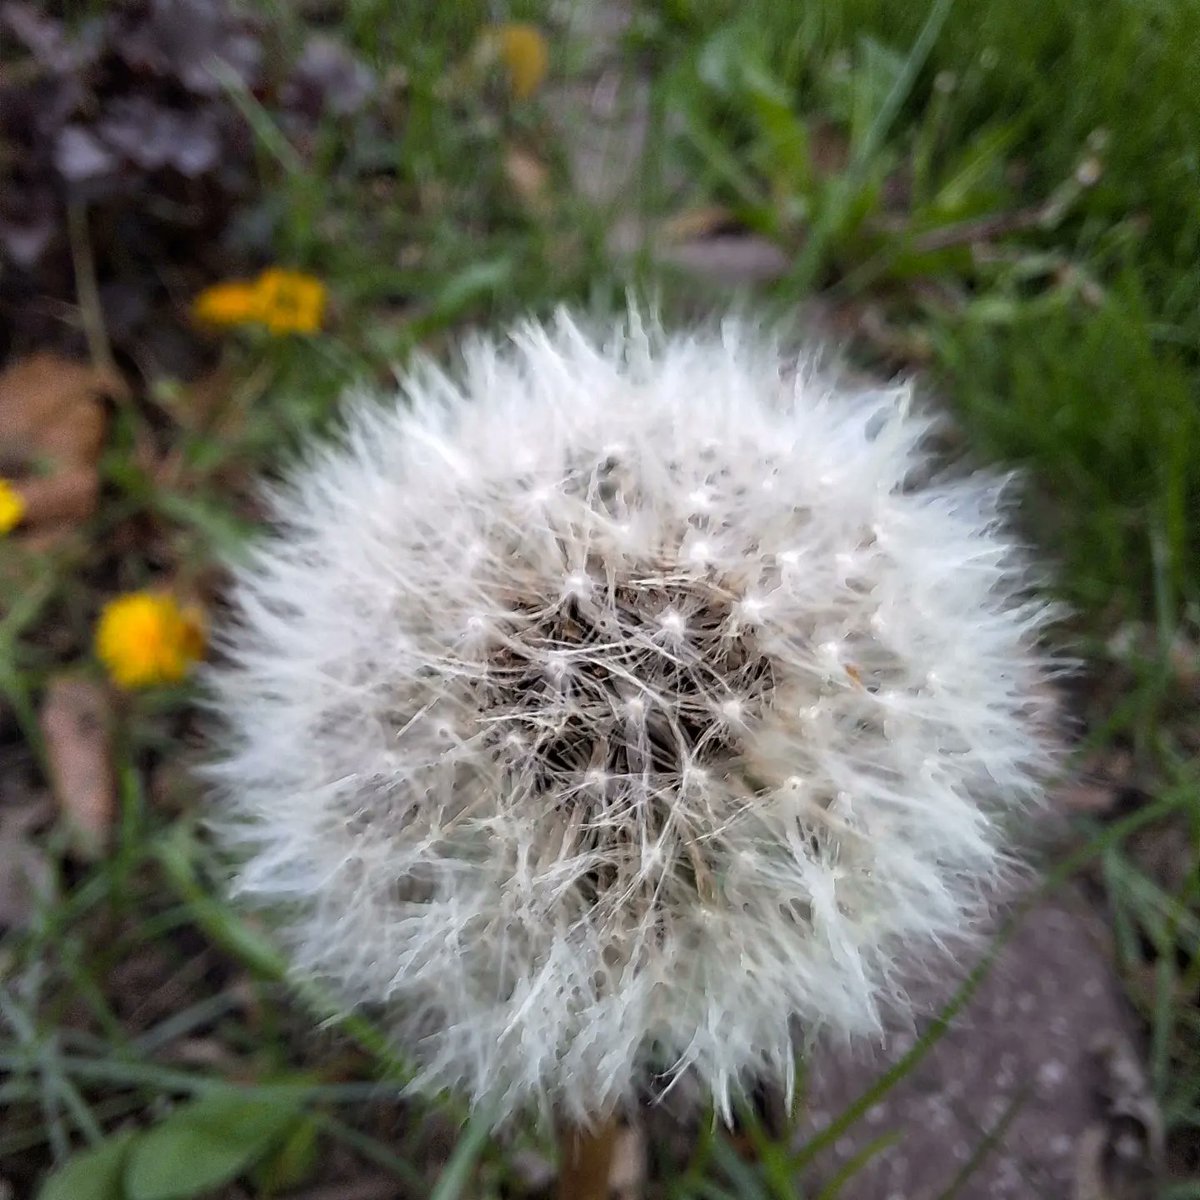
(585, 1160)
(87, 290)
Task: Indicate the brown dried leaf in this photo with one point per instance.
(1087, 796)
(708, 220)
(75, 722)
(208, 1052)
(52, 424)
(527, 176)
(65, 497)
(50, 408)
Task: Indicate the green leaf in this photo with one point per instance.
(93, 1175)
(292, 1162)
(176, 852)
(848, 1170)
(747, 1182)
(206, 1143)
(983, 158)
(457, 1174)
(723, 60)
(473, 283)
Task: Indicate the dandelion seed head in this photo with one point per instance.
(552, 733)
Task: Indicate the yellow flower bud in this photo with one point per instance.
(522, 49)
(12, 506)
(147, 638)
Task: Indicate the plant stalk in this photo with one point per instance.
(585, 1160)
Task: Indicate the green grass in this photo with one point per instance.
(1009, 187)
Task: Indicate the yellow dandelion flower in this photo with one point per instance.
(522, 49)
(231, 303)
(12, 506)
(147, 638)
(290, 301)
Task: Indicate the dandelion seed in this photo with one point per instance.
(752, 607)
(673, 622)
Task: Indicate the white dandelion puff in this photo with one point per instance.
(551, 730)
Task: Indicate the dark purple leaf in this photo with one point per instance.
(327, 78)
(129, 126)
(196, 143)
(47, 41)
(42, 36)
(185, 39)
(32, 115)
(81, 157)
(25, 242)
(240, 54)
(153, 136)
